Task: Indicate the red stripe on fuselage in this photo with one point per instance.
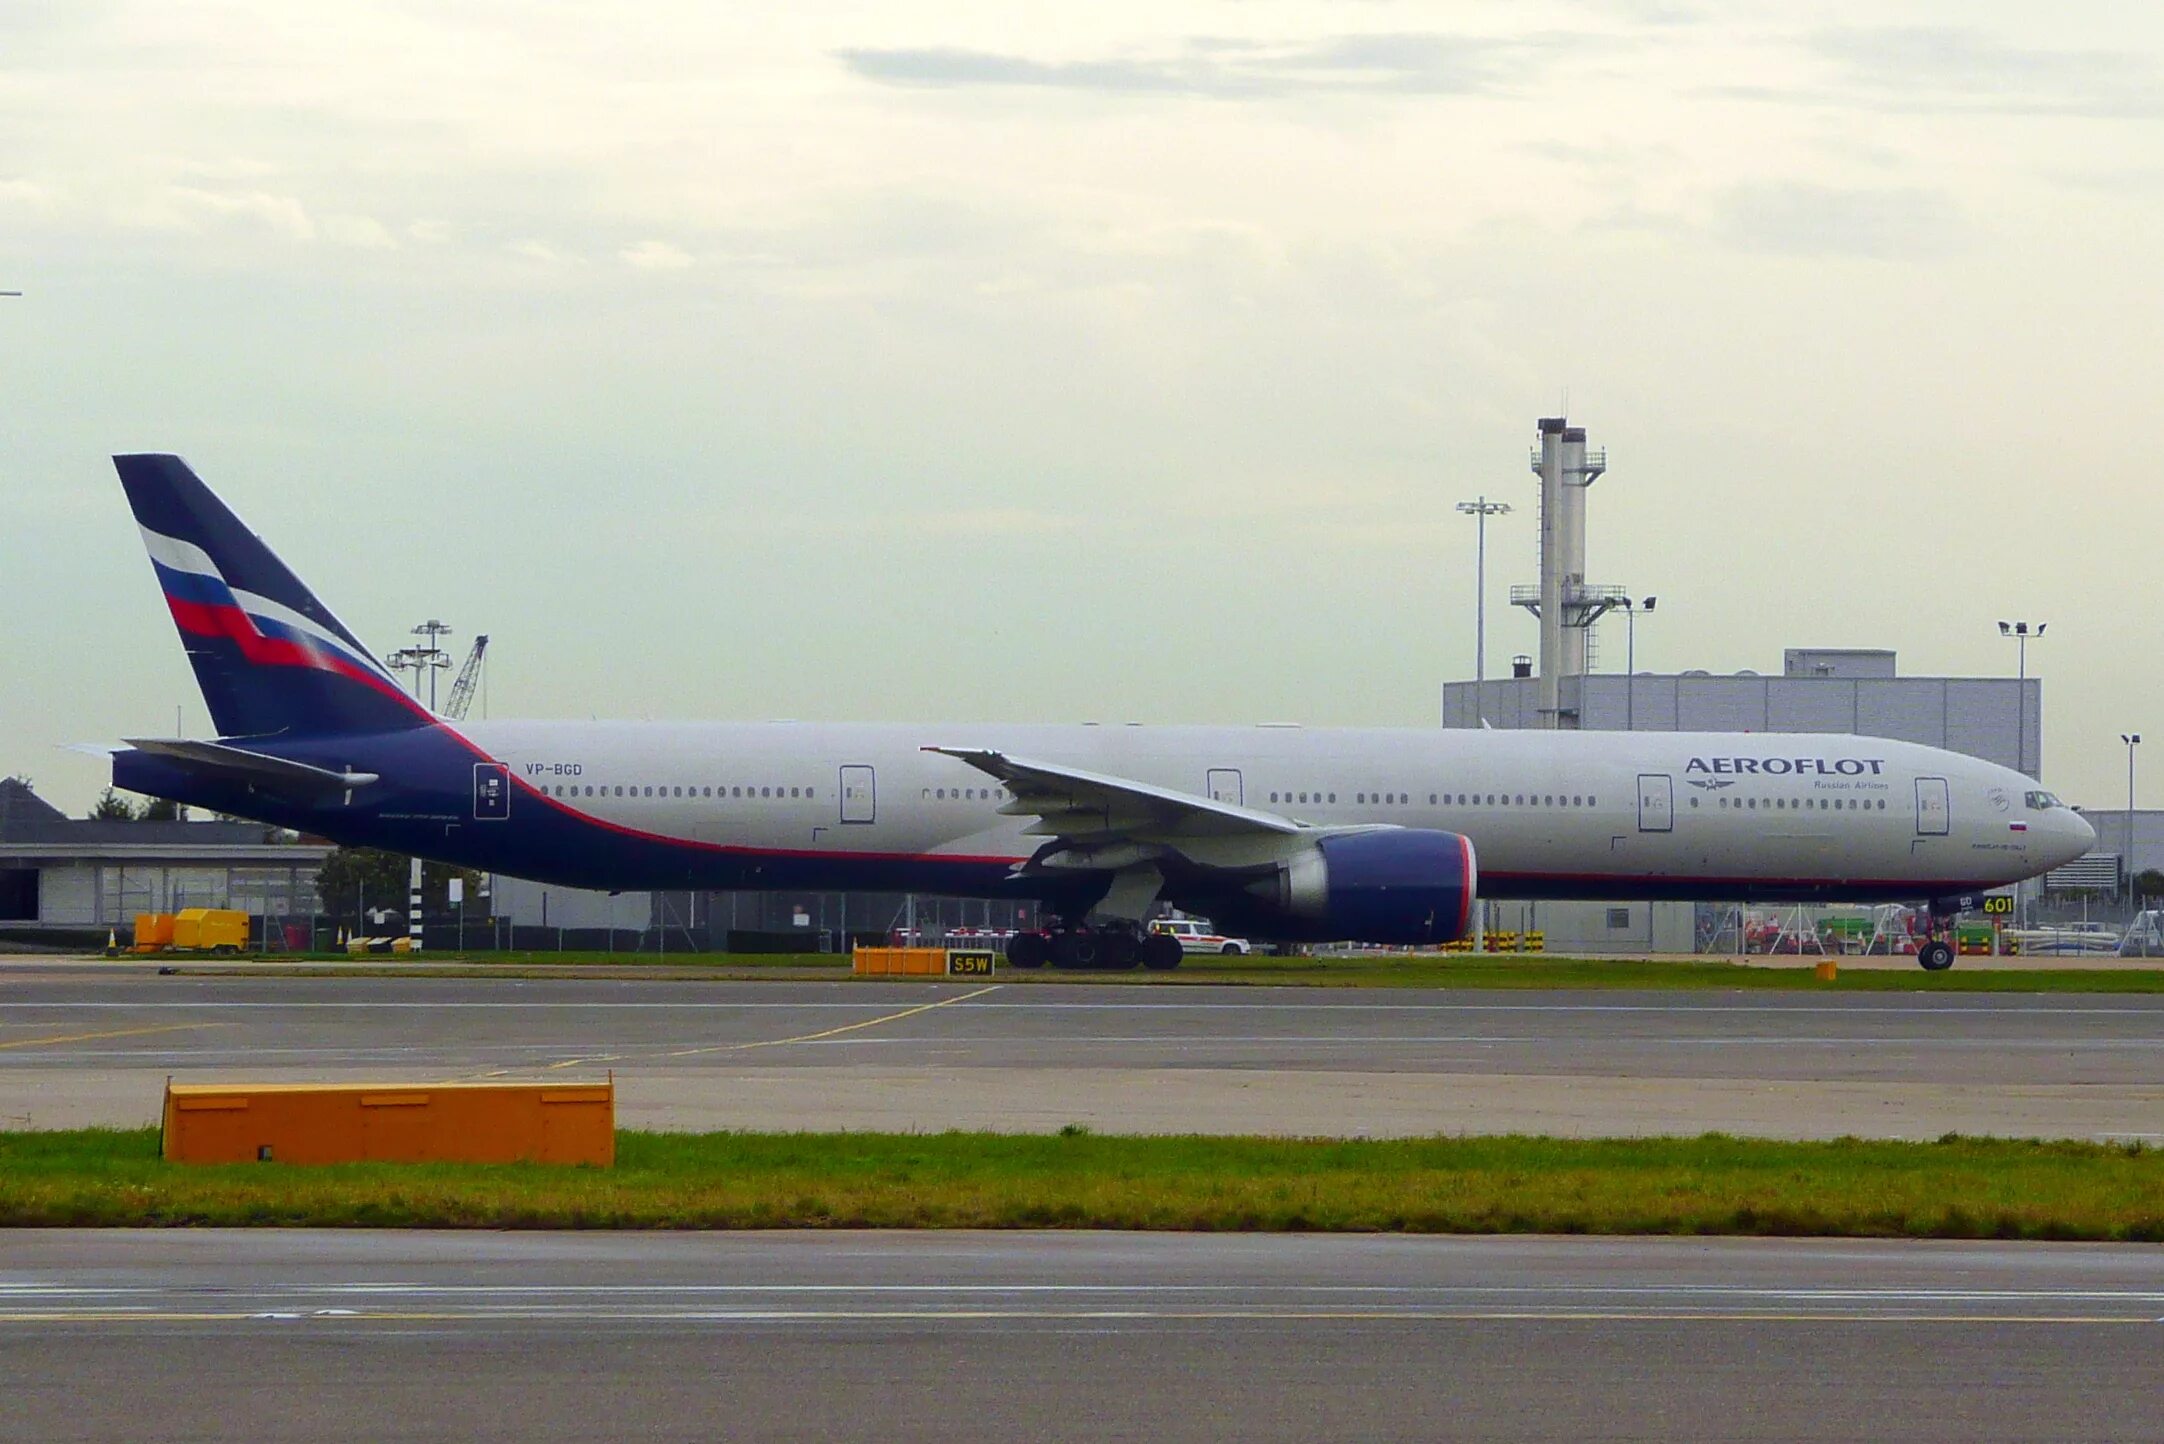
(731, 849)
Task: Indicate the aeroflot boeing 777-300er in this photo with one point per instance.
(1283, 833)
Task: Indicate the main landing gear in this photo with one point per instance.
(1110, 946)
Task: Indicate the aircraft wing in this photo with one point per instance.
(1089, 807)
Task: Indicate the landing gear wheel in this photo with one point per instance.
(1161, 953)
(1935, 956)
(1074, 950)
(1028, 950)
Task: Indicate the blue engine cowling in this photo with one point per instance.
(1397, 885)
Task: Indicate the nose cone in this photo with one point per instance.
(2070, 836)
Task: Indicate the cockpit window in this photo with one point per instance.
(2041, 801)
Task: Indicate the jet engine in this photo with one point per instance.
(1393, 885)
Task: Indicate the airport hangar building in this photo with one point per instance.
(64, 878)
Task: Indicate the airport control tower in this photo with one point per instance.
(1565, 603)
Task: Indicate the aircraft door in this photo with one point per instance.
(1226, 785)
(1933, 809)
(860, 794)
(1656, 802)
(491, 792)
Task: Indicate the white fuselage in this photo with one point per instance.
(1551, 814)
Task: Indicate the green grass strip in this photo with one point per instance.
(1953, 1188)
(1506, 971)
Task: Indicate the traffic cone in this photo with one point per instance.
(112, 943)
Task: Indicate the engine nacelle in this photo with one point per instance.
(1400, 885)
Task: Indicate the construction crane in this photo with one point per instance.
(462, 689)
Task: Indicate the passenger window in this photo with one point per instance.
(1333, 797)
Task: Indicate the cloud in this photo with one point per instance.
(655, 256)
(1812, 220)
(1944, 69)
(540, 252)
(282, 215)
(1216, 68)
(17, 191)
(363, 232)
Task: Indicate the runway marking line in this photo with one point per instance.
(754, 1316)
(110, 1033)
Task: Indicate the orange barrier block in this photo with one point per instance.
(899, 962)
(391, 1123)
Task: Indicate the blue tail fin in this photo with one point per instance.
(270, 658)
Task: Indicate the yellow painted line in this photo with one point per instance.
(757, 1043)
(111, 1033)
(837, 1032)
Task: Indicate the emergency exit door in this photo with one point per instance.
(1933, 811)
(860, 795)
(1226, 785)
(1656, 802)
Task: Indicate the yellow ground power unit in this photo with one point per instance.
(562, 1122)
(192, 930)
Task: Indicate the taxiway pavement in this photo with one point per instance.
(296, 1336)
(83, 1046)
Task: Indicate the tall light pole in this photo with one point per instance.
(1481, 509)
(1631, 608)
(2132, 741)
(2021, 632)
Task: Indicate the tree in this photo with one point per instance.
(2149, 882)
(353, 881)
(112, 807)
(160, 809)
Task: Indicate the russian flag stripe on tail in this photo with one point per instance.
(270, 657)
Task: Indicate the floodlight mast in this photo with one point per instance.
(2021, 632)
(1480, 508)
(2132, 741)
(428, 657)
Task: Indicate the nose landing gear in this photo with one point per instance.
(1937, 954)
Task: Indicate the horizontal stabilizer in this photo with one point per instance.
(280, 774)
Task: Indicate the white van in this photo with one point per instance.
(1195, 936)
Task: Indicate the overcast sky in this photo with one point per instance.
(1115, 362)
